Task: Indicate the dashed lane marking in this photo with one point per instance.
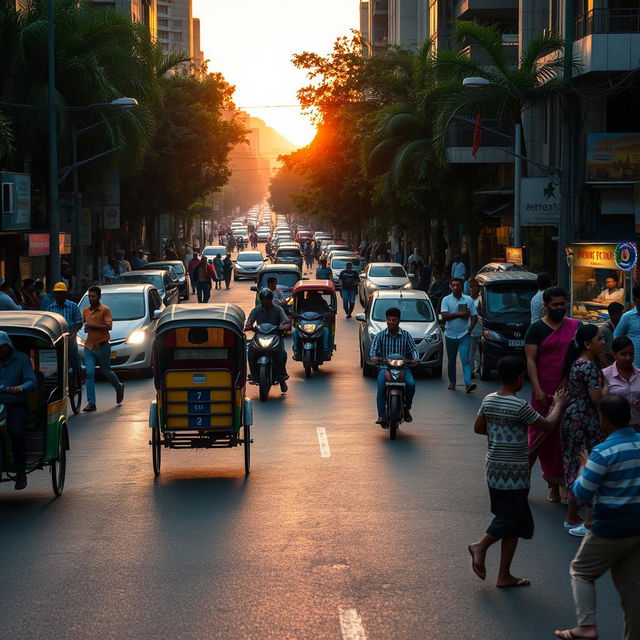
(325, 452)
(351, 624)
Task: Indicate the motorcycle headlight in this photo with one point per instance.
(309, 328)
(395, 362)
(407, 286)
(137, 337)
(265, 343)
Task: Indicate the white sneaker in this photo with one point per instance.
(580, 531)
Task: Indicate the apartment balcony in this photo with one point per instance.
(469, 9)
(479, 55)
(494, 148)
(380, 7)
(607, 40)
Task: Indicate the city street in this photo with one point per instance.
(353, 537)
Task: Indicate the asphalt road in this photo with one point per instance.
(366, 542)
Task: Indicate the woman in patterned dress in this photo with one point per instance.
(580, 426)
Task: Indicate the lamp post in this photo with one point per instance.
(517, 164)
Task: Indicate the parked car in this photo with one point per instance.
(380, 276)
(504, 313)
(184, 280)
(418, 318)
(247, 264)
(135, 309)
(159, 278)
(491, 267)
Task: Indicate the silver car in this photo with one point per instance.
(135, 309)
(380, 276)
(417, 317)
(247, 263)
(212, 251)
(161, 279)
(339, 264)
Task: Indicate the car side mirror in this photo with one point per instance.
(156, 314)
(254, 288)
(361, 317)
(362, 276)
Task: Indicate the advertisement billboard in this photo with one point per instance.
(540, 202)
(613, 157)
(15, 202)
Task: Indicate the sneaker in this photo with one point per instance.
(90, 407)
(21, 481)
(381, 420)
(120, 394)
(407, 416)
(283, 386)
(579, 532)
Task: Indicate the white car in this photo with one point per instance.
(247, 264)
(380, 276)
(263, 234)
(212, 251)
(339, 264)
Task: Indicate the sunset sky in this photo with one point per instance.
(251, 43)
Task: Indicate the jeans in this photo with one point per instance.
(474, 353)
(409, 390)
(279, 362)
(204, 291)
(16, 419)
(325, 340)
(99, 356)
(348, 300)
(461, 346)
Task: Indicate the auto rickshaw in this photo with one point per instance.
(287, 276)
(43, 336)
(199, 359)
(314, 312)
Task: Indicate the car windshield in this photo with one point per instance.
(508, 298)
(387, 272)
(341, 263)
(286, 280)
(251, 256)
(288, 253)
(411, 309)
(123, 306)
(141, 278)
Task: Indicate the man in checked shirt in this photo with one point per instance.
(394, 340)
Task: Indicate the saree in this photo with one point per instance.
(543, 446)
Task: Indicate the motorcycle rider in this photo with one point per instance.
(313, 303)
(268, 312)
(394, 340)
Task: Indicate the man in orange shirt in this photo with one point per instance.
(97, 350)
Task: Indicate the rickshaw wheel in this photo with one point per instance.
(247, 449)
(306, 361)
(59, 465)
(75, 391)
(156, 449)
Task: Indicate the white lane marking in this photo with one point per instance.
(325, 452)
(351, 624)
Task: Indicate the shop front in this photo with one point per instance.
(600, 274)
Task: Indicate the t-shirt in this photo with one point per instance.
(537, 333)
(537, 306)
(349, 279)
(507, 419)
(458, 327)
(274, 315)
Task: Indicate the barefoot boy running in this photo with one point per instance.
(504, 418)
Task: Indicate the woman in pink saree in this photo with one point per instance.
(546, 345)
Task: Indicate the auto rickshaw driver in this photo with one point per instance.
(17, 380)
(313, 303)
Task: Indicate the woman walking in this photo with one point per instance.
(580, 426)
(227, 265)
(219, 267)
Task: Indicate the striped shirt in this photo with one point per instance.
(611, 478)
(384, 345)
(507, 419)
(71, 313)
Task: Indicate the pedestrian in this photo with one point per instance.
(308, 255)
(546, 344)
(423, 277)
(504, 417)
(203, 275)
(476, 332)
(623, 378)
(413, 261)
(138, 261)
(125, 264)
(188, 256)
(227, 267)
(629, 325)
(615, 310)
(349, 280)
(71, 313)
(580, 428)
(543, 282)
(460, 316)
(610, 476)
(97, 350)
(323, 272)
(193, 264)
(458, 268)
(38, 288)
(7, 297)
(219, 267)
(31, 300)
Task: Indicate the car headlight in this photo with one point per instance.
(433, 337)
(492, 336)
(137, 337)
(265, 343)
(407, 286)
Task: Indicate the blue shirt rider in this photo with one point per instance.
(313, 303)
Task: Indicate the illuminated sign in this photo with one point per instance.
(626, 255)
(514, 255)
(597, 256)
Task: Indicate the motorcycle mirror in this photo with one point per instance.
(361, 317)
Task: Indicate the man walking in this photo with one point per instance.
(458, 268)
(71, 313)
(460, 316)
(629, 325)
(191, 265)
(202, 275)
(349, 279)
(543, 282)
(97, 350)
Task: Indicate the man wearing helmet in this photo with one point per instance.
(267, 312)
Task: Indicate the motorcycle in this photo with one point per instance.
(310, 327)
(265, 341)
(395, 389)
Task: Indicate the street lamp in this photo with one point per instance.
(477, 82)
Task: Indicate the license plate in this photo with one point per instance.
(516, 343)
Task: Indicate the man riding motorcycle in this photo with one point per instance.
(268, 312)
(313, 303)
(394, 340)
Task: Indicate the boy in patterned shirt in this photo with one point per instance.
(504, 418)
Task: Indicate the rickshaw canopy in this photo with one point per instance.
(228, 316)
(50, 327)
(324, 286)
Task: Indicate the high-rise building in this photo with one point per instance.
(175, 27)
(198, 54)
(142, 11)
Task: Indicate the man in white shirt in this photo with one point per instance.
(537, 304)
(611, 292)
(458, 269)
(460, 315)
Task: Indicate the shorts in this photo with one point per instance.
(513, 517)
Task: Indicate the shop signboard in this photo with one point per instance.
(596, 256)
(38, 244)
(64, 243)
(111, 217)
(626, 255)
(15, 201)
(514, 255)
(540, 202)
(613, 157)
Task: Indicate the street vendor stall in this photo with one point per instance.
(600, 274)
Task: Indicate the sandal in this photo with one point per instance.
(567, 634)
(520, 582)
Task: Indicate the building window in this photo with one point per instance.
(163, 35)
(177, 37)
(163, 22)
(163, 10)
(177, 24)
